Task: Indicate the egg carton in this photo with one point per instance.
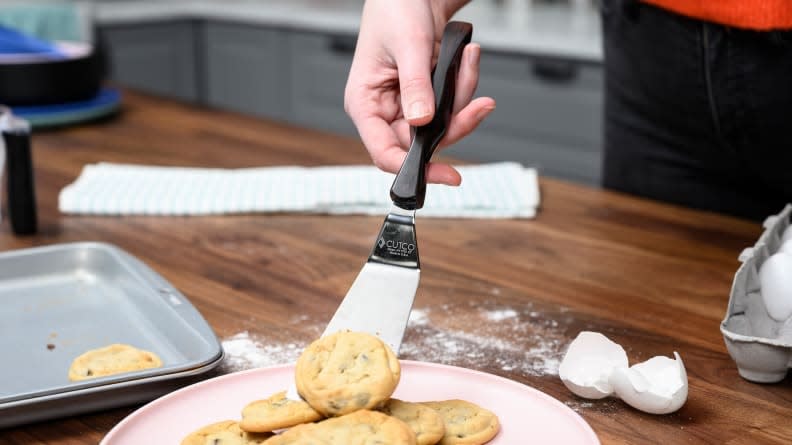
(760, 345)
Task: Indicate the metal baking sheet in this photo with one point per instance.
(59, 301)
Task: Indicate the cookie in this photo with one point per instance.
(347, 371)
(224, 433)
(465, 423)
(359, 428)
(113, 359)
(276, 412)
(425, 422)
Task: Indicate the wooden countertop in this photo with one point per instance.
(652, 277)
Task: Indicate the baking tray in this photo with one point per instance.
(59, 301)
(756, 342)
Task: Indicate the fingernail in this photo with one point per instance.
(484, 113)
(417, 109)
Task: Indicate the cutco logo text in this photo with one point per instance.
(399, 248)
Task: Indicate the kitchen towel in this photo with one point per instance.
(498, 190)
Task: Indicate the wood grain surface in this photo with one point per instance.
(652, 277)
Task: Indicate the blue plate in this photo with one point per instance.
(106, 102)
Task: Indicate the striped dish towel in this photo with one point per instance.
(499, 190)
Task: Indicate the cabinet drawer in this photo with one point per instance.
(246, 69)
(157, 58)
(556, 101)
(487, 144)
(319, 69)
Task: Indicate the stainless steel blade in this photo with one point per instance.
(379, 303)
(381, 297)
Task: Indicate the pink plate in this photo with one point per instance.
(526, 414)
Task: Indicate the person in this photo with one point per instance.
(698, 96)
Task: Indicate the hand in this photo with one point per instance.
(390, 85)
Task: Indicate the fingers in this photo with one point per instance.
(388, 155)
(467, 79)
(416, 85)
(382, 143)
(467, 113)
(414, 62)
(438, 173)
(464, 122)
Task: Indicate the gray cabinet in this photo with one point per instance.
(247, 69)
(319, 66)
(158, 58)
(548, 115)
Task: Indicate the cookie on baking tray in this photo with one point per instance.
(426, 423)
(465, 423)
(361, 427)
(345, 372)
(224, 433)
(113, 359)
(276, 412)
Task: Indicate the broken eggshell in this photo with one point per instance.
(656, 386)
(588, 364)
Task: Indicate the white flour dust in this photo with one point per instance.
(524, 341)
(501, 315)
(245, 352)
(503, 338)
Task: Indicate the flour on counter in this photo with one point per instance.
(418, 317)
(245, 352)
(504, 338)
(501, 314)
(521, 340)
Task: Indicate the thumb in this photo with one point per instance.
(415, 83)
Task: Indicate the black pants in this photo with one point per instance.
(696, 113)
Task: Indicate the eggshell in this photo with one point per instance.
(775, 280)
(786, 247)
(656, 386)
(787, 235)
(588, 364)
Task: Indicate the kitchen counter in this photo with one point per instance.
(514, 26)
(501, 296)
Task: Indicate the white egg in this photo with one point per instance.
(656, 386)
(589, 363)
(775, 279)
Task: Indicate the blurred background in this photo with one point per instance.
(288, 60)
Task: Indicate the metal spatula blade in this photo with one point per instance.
(381, 297)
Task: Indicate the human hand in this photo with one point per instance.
(389, 87)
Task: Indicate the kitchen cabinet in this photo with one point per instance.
(548, 115)
(549, 112)
(158, 58)
(247, 69)
(319, 66)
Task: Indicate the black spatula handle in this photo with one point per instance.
(409, 187)
(21, 191)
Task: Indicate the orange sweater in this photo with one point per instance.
(762, 15)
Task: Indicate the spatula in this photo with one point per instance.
(381, 297)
